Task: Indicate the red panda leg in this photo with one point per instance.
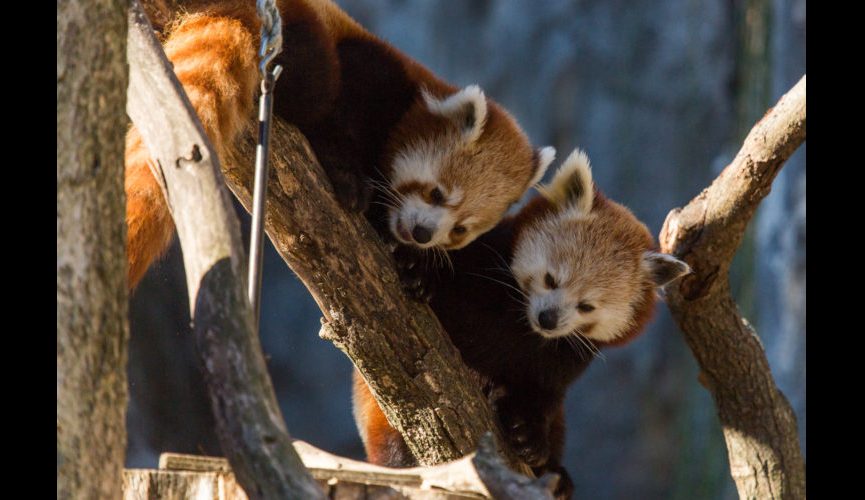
(383, 444)
(557, 434)
(215, 58)
(565, 488)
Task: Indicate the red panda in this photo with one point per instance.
(443, 163)
(529, 304)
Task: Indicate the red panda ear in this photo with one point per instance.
(467, 107)
(543, 157)
(572, 186)
(663, 268)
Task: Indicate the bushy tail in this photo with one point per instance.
(149, 227)
(383, 444)
(214, 53)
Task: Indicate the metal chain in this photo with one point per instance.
(271, 34)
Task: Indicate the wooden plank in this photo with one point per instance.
(475, 476)
(197, 463)
(146, 484)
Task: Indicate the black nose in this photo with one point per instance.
(421, 234)
(548, 319)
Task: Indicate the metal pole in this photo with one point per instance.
(262, 155)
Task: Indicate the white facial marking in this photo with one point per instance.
(416, 212)
(470, 221)
(420, 162)
(540, 301)
(530, 255)
(456, 196)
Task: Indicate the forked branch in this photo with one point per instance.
(759, 424)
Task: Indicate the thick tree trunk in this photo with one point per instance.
(759, 424)
(92, 329)
(249, 423)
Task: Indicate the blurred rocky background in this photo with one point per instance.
(660, 94)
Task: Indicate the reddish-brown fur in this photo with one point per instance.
(524, 375)
(215, 59)
(382, 443)
(356, 99)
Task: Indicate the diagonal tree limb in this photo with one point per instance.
(398, 345)
(759, 424)
(250, 426)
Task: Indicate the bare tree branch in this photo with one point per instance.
(249, 423)
(398, 345)
(759, 424)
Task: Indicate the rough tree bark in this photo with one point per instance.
(759, 424)
(250, 426)
(398, 345)
(92, 328)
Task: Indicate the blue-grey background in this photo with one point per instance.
(660, 94)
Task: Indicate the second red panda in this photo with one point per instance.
(530, 303)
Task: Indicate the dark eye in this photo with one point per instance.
(549, 281)
(459, 229)
(436, 196)
(585, 307)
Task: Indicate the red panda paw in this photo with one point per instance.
(565, 489)
(414, 273)
(528, 440)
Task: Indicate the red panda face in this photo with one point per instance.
(578, 278)
(585, 267)
(459, 163)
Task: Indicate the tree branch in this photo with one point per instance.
(398, 345)
(759, 424)
(249, 424)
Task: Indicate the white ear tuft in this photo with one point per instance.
(572, 184)
(468, 107)
(543, 158)
(664, 268)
